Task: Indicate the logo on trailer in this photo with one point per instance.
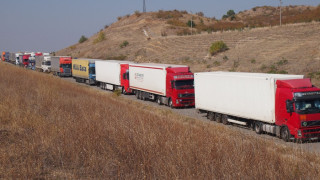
(139, 77)
(79, 68)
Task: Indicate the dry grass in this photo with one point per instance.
(51, 128)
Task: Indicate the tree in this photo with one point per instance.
(230, 14)
(191, 23)
(82, 39)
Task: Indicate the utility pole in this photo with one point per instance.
(144, 6)
(280, 12)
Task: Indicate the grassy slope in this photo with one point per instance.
(50, 128)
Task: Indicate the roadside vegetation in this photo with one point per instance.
(54, 129)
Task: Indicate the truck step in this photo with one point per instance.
(237, 122)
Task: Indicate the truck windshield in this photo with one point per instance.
(183, 84)
(308, 106)
(48, 63)
(66, 66)
(92, 70)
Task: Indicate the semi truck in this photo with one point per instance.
(24, 60)
(167, 84)
(61, 66)
(17, 58)
(287, 106)
(113, 75)
(83, 71)
(43, 63)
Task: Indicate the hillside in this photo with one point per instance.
(54, 129)
(292, 48)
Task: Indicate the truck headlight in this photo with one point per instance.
(299, 133)
(177, 101)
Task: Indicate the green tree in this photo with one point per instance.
(82, 39)
(191, 23)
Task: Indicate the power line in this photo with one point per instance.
(144, 6)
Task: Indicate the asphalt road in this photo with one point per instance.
(311, 146)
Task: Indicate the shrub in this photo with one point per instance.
(191, 24)
(101, 37)
(82, 39)
(124, 44)
(281, 62)
(137, 13)
(253, 61)
(217, 47)
(176, 22)
(73, 47)
(225, 58)
(119, 18)
(164, 33)
(216, 63)
(117, 92)
(200, 14)
(184, 32)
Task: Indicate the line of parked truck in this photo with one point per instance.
(287, 106)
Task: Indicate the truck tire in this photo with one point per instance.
(285, 134)
(218, 117)
(258, 127)
(170, 103)
(211, 116)
(159, 100)
(225, 119)
(137, 94)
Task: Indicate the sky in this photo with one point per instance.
(51, 25)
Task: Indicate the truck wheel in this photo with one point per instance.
(218, 118)
(258, 128)
(159, 100)
(285, 134)
(170, 103)
(210, 116)
(225, 119)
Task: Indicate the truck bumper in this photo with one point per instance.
(184, 103)
(65, 74)
(309, 133)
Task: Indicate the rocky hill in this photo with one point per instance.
(163, 37)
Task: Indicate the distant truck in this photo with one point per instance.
(24, 60)
(285, 105)
(61, 66)
(43, 63)
(17, 58)
(113, 75)
(164, 83)
(83, 71)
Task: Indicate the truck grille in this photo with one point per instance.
(187, 101)
(312, 135)
(66, 71)
(311, 130)
(186, 95)
(310, 123)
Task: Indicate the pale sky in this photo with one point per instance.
(50, 25)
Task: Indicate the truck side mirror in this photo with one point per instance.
(289, 106)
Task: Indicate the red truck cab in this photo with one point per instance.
(25, 60)
(125, 78)
(66, 66)
(298, 108)
(180, 86)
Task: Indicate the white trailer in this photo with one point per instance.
(150, 77)
(243, 95)
(108, 73)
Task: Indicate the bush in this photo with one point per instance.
(137, 13)
(191, 23)
(253, 61)
(217, 47)
(82, 39)
(120, 57)
(124, 44)
(101, 37)
(200, 14)
(184, 32)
